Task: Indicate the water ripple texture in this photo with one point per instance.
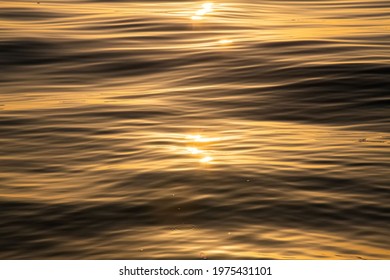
(189, 129)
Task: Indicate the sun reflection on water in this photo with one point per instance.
(225, 41)
(197, 147)
(194, 151)
(206, 8)
(206, 159)
(200, 138)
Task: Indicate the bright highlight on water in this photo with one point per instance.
(194, 151)
(206, 159)
(206, 8)
(254, 130)
(225, 41)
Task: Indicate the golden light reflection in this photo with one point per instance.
(197, 140)
(206, 8)
(206, 159)
(196, 18)
(200, 138)
(123, 132)
(194, 151)
(194, 137)
(225, 42)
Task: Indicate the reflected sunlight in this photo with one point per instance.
(206, 8)
(206, 159)
(196, 17)
(198, 140)
(194, 129)
(225, 41)
(194, 151)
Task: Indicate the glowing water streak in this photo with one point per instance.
(206, 159)
(194, 151)
(206, 8)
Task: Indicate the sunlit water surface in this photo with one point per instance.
(191, 130)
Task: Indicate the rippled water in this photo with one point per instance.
(172, 130)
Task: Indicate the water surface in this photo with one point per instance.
(171, 130)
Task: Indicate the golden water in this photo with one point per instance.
(185, 130)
